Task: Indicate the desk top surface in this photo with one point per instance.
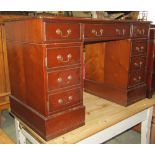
(74, 19)
(100, 114)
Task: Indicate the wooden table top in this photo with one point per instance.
(100, 114)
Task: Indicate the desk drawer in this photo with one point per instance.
(63, 78)
(63, 100)
(108, 30)
(140, 30)
(62, 31)
(58, 57)
(138, 62)
(136, 77)
(139, 47)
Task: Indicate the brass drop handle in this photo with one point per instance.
(143, 31)
(118, 31)
(96, 33)
(70, 98)
(140, 63)
(137, 80)
(69, 56)
(136, 64)
(139, 31)
(61, 59)
(141, 48)
(59, 32)
(123, 31)
(60, 80)
(60, 101)
(70, 77)
(134, 79)
(137, 49)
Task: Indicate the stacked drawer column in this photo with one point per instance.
(64, 73)
(45, 65)
(137, 70)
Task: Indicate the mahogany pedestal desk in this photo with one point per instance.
(45, 57)
(104, 120)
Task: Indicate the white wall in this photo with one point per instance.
(151, 16)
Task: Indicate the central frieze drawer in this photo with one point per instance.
(106, 30)
(63, 100)
(58, 57)
(62, 31)
(63, 78)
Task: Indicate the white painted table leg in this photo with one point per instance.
(19, 136)
(17, 130)
(145, 127)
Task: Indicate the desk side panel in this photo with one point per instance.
(26, 30)
(27, 74)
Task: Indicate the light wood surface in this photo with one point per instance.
(100, 114)
(4, 105)
(4, 77)
(4, 139)
(153, 127)
(4, 73)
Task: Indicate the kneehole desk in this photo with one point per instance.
(104, 120)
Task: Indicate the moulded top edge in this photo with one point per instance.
(75, 19)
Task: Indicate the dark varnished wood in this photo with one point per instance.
(62, 100)
(117, 69)
(110, 71)
(69, 55)
(140, 30)
(136, 77)
(27, 80)
(46, 68)
(97, 31)
(64, 78)
(62, 31)
(139, 47)
(151, 76)
(52, 126)
(151, 64)
(138, 62)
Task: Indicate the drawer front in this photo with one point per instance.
(122, 30)
(136, 77)
(62, 31)
(63, 78)
(140, 30)
(138, 62)
(139, 47)
(59, 57)
(63, 100)
(108, 30)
